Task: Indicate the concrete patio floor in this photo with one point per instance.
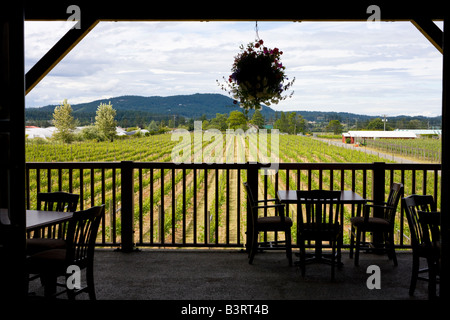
(226, 275)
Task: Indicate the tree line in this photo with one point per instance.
(104, 127)
(65, 124)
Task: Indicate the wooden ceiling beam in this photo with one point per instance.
(431, 31)
(58, 52)
(133, 10)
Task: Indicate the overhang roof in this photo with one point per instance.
(232, 10)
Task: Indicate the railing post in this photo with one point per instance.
(252, 179)
(378, 194)
(127, 216)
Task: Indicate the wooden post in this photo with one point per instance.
(378, 194)
(161, 224)
(13, 280)
(444, 286)
(127, 216)
(252, 179)
(208, 227)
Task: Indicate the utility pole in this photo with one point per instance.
(384, 122)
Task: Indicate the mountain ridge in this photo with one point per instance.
(194, 106)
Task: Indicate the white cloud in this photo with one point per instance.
(338, 66)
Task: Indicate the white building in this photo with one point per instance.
(353, 135)
(36, 132)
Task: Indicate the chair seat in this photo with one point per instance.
(426, 251)
(274, 222)
(373, 224)
(36, 245)
(53, 261)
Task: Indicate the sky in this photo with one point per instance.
(387, 68)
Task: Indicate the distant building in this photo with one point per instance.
(421, 132)
(354, 135)
(35, 132)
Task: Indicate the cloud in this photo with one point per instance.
(340, 66)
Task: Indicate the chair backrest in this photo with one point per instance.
(250, 194)
(82, 234)
(321, 209)
(423, 231)
(57, 201)
(393, 199)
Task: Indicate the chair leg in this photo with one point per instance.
(358, 244)
(392, 248)
(302, 257)
(339, 251)
(253, 247)
(289, 246)
(432, 273)
(414, 274)
(333, 259)
(49, 282)
(90, 282)
(352, 241)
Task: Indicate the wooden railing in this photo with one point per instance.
(151, 204)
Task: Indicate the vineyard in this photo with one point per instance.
(158, 148)
(204, 205)
(426, 150)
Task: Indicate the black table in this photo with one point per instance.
(37, 219)
(347, 197)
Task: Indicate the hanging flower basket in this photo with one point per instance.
(257, 77)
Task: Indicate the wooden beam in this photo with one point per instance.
(13, 279)
(431, 31)
(134, 10)
(58, 52)
(444, 286)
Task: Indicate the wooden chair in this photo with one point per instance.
(57, 201)
(424, 226)
(81, 236)
(318, 221)
(383, 224)
(52, 238)
(277, 223)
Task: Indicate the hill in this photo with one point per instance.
(139, 110)
(151, 108)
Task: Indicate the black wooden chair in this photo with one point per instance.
(383, 224)
(424, 226)
(52, 237)
(277, 223)
(81, 236)
(318, 221)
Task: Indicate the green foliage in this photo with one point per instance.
(219, 122)
(152, 127)
(140, 111)
(378, 124)
(258, 119)
(91, 133)
(290, 123)
(105, 122)
(237, 120)
(64, 122)
(335, 126)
